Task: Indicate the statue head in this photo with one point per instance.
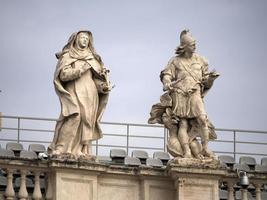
(187, 43)
(82, 40)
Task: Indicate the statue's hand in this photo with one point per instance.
(167, 87)
(213, 73)
(106, 89)
(85, 67)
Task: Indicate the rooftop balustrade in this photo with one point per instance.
(26, 171)
(129, 136)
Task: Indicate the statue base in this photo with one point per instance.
(197, 163)
(196, 179)
(72, 158)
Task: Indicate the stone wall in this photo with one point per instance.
(88, 180)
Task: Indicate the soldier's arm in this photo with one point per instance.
(167, 75)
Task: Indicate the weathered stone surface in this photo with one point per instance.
(196, 163)
(186, 80)
(72, 185)
(196, 178)
(82, 84)
(72, 178)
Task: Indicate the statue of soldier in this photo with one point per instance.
(186, 80)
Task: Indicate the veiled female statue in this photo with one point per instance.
(82, 85)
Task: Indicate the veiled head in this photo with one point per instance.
(82, 40)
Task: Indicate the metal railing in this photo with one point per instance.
(130, 137)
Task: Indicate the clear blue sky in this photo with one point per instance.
(136, 39)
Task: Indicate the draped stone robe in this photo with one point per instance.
(82, 105)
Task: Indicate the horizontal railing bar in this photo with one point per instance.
(12, 129)
(7, 140)
(28, 118)
(131, 147)
(240, 130)
(108, 123)
(133, 136)
(152, 148)
(240, 153)
(153, 137)
(132, 124)
(36, 141)
(37, 130)
(223, 141)
(104, 145)
(116, 135)
(258, 143)
(240, 142)
(26, 129)
(257, 154)
(227, 152)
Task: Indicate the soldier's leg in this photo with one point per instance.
(183, 138)
(173, 144)
(203, 122)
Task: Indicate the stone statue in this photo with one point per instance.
(83, 87)
(186, 80)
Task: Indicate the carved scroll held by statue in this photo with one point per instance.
(82, 84)
(186, 80)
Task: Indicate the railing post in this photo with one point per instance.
(23, 194)
(0, 121)
(165, 139)
(96, 147)
(244, 194)
(9, 193)
(18, 139)
(37, 195)
(49, 190)
(127, 138)
(235, 145)
(230, 185)
(258, 191)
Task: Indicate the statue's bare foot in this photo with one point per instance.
(85, 150)
(200, 157)
(187, 155)
(68, 152)
(56, 152)
(80, 154)
(66, 156)
(208, 153)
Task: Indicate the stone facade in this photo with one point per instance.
(88, 180)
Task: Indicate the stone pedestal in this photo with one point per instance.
(157, 189)
(95, 181)
(71, 185)
(196, 179)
